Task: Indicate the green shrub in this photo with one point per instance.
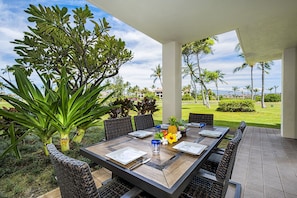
(272, 98)
(258, 98)
(236, 106)
(187, 97)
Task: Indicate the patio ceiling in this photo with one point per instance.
(264, 28)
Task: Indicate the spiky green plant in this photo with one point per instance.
(29, 105)
(53, 111)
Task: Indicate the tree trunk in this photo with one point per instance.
(252, 83)
(64, 141)
(262, 92)
(207, 104)
(201, 82)
(46, 142)
(195, 90)
(80, 133)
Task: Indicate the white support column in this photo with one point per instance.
(289, 94)
(171, 71)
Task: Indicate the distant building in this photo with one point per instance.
(159, 92)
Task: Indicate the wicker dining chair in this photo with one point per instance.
(144, 121)
(214, 185)
(76, 181)
(116, 127)
(212, 162)
(242, 126)
(205, 118)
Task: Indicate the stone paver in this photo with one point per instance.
(266, 164)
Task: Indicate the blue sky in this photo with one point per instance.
(147, 52)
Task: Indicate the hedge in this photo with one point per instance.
(236, 106)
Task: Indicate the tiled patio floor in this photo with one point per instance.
(266, 166)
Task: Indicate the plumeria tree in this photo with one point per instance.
(58, 40)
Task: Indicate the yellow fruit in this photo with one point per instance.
(172, 129)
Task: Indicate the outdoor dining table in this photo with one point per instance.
(166, 174)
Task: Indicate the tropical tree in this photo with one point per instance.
(243, 66)
(82, 109)
(118, 86)
(54, 110)
(235, 89)
(270, 89)
(216, 76)
(27, 107)
(264, 66)
(133, 91)
(191, 71)
(197, 50)
(157, 74)
(275, 88)
(248, 88)
(256, 90)
(57, 41)
(186, 89)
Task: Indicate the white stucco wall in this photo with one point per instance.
(289, 94)
(171, 71)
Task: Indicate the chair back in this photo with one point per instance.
(225, 167)
(206, 118)
(74, 176)
(143, 121)
(116, 127)
(242, 126)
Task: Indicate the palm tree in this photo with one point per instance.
(275, 87)
(157, 74)
(243, 66)
(190, 70)
(197, 49)
(215, 77)
(264, 66)
(270, 89)
(248, 87)
(256, 90)
(235, 89)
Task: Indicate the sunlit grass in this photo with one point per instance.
(264, 117)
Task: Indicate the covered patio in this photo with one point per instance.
(265, 166)
(266, 31)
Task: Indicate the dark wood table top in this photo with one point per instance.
(165, 175)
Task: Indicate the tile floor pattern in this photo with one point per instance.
(266, 166)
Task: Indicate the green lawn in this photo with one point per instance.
(33, 175)
(269, 117)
